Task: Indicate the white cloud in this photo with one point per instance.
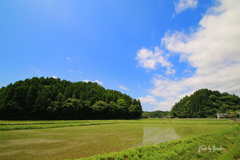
(86, 80)
(186, 71)
(98, 82)
(148, 99)
(70, 70)
(54, 77)
(36, 70)
(68, 59)
(213, 50)
(149, 60)
(122, 87)
(171, 71)
(185, 4)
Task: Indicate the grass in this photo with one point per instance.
(73, 141)
(227, 141)
(22, 125)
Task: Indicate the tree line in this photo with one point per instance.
(50, 98)
(205, 103)
(155, 114)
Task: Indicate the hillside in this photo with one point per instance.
(49, 98)
(205, 103)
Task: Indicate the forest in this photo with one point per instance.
(155, 114)
(56, 99)
(205, 103)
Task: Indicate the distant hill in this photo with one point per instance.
(49, 98)
(205, 103)
(155, 114)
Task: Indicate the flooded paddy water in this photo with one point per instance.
(155, 135)
(85, 141)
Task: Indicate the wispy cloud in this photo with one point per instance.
(187, 71)
(185, 4)
(36, 70)
(213, 50)
(122, 87)
(70, 70)
(69, 59)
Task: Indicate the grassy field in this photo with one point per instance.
(78, 139)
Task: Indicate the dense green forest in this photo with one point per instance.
(49, 98)
(155, 114)
(205, 103)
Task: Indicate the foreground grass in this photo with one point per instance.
(106, 137)
(228, 141)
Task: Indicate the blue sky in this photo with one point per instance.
(156, 51)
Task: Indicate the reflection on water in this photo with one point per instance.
(155, 135)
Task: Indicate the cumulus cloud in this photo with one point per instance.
(171, 71)
(185, 4)
(86, 81)
(122, 87)
(213, 49)
(54, 77)
(148, 99)
(97, 81)
(149, 59)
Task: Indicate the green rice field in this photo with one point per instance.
(83, 138)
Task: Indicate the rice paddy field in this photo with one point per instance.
(88, 138)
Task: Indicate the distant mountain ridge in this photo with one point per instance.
(50, 98)
(205, 103)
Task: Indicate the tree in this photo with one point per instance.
(204, 103)
(145, 115)
(112, 109)
(31, 96)
(122, 108)
(49, 98)
(9, 94)
(100, 109)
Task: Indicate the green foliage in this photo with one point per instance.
(157, 114)
(49, 98)
(205, 103)
(145, 115)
